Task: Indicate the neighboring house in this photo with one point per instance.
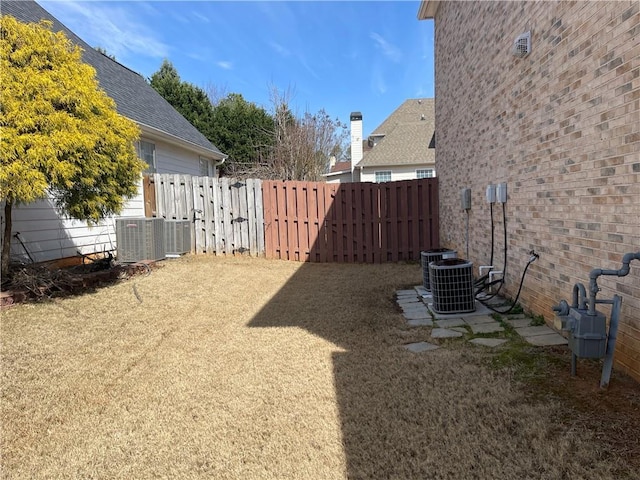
(557, 118)
(401, 148)
(168, 143)
(339, 172)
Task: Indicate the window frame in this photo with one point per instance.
(428, 171)
(204, 161)
(382, 172)
(152, 166)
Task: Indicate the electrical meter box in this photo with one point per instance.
(465, 198)
(588, 334)
(501, 193)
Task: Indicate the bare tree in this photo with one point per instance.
(302, 145)
(216, 93)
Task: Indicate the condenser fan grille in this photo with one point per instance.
(452, 286)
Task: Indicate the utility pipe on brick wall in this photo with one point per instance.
(579, 296)
(596, 272)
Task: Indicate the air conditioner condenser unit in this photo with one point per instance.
(140, 239)
(177, 237)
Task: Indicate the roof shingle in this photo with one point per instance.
(407, 133)
(134, 97)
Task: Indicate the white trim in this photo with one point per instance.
(146, 129)
(428, 9)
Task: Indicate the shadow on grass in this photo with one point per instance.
(378, 384)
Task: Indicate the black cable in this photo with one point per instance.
(515, 302)
(492, 233)
(481, 280)
(504, 268)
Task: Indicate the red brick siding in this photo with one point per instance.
(562, 128)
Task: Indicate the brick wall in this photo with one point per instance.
(562, 128)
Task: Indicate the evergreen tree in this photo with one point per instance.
(191, 101)
(243, 130)
(61, 134)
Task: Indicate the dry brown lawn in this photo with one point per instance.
(245, 368)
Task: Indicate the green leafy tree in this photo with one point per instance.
(242, 130)
(61, 134)
(239, 128)
(191, 101)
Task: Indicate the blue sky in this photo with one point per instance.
(340, 56)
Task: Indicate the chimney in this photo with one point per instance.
(356, 138)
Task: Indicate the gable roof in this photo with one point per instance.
(406, 136)
(134, 97)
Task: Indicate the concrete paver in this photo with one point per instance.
(450, 322)
(444, 333)
(462, 330)
(547, 339)
(479, 311)
(533, 331)
(477, 320)
(492, 327)
(405, 292)
(420, 290)
(519, 322)
(488, 342)
(515, 316)
(408, 300)
(420, 347)
(420, 322)
(414, 307)
(416, 315)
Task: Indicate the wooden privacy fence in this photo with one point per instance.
(227, 214)
(302, 221)
(350, 222)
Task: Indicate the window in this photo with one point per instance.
(147, 153)
(426, 173)
(384, 176)
(204, 167)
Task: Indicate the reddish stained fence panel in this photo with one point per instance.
(350, 222)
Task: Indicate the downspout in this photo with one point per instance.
(596, 272)
(217, 164)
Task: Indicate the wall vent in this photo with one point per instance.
(522, 45)
(177, 237)
(140, 239)
(452, 286)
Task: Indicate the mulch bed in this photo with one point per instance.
(39, 282)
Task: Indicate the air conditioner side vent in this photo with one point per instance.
(177, 237)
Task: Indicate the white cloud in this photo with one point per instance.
(200, 17)
(389, 50)
(378, 83)
(283, 51)
(225, 65)
(307, 67)
(110, 26)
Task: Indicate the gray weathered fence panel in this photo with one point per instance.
(226, 215)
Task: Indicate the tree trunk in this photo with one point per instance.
(6, 239)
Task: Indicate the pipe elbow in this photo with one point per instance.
(630, 256)
(595, 273)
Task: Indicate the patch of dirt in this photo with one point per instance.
(611, 413)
